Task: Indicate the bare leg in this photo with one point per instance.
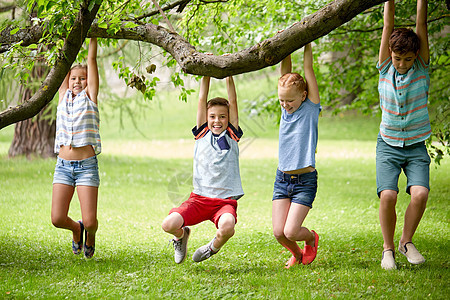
(388, 217)
(61, 198)
(280, 211)
(414, 212)
(173, 224)
(88, 196)
(225, 229)
(293, 229)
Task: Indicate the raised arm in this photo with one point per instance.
(311, 81)
(422, 30)
(388, 27)
(92, 68)
(232, 99)
(286, 65)
(63, 88)
(202, 99)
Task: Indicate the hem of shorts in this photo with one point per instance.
(379, 190)
(408, 187)
(75, 185)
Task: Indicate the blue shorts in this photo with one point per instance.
(77, 172)
(413, 160)
(300, 188)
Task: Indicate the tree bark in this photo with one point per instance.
(34, 136)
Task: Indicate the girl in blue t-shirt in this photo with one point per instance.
(296, 180)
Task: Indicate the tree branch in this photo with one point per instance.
(261, 55)
(57, 74)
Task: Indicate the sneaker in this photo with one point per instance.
(310, 252)
(292, 262)
(411, 253)
(388, 260)
(180, 246)
(204, 252)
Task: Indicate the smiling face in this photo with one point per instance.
(217, 119)
(77, 80)
(291, 98)
(403, 62)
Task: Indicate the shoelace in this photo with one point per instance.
(176, 244)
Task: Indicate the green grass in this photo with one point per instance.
(133, 259)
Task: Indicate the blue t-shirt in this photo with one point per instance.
(298, 137)
(216, 163)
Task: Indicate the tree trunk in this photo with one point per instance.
(34, 136)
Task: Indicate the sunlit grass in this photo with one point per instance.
(133, 259)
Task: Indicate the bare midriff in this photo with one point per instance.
(301, 171)
(76, 153)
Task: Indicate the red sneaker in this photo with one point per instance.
(309, 253)
(291, 262)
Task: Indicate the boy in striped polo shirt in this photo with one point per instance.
(403, 88)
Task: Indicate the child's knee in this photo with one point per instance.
(388, 197)
(419, 194)
(172, 222)
(278, 233)
(226, 231)
(58, 221)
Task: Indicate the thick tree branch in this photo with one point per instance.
(56, 75)
(264, 54)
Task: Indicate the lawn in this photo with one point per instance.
(139, 186)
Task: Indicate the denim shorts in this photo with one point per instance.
(300, 188)
(77, 172)
(413, 160)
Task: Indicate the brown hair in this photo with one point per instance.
(292, 79)
(217, 101)
(404, 40)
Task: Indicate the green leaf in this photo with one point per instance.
(91, 5)
(14, 31)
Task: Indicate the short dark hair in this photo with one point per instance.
(404, 40)
(217, 101)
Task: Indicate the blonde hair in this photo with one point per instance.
(79, 66)
(292, 79)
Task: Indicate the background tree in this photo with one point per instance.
(246, 29)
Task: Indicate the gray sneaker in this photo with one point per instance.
(180, 246)
(411, 253)
(204, 252)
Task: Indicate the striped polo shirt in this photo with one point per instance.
(403, 103)
(77, 122)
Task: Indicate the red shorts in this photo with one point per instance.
(198, 208)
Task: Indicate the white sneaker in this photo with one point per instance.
(180, 246)
(411, 253)
(388, 260)
(204, 252)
